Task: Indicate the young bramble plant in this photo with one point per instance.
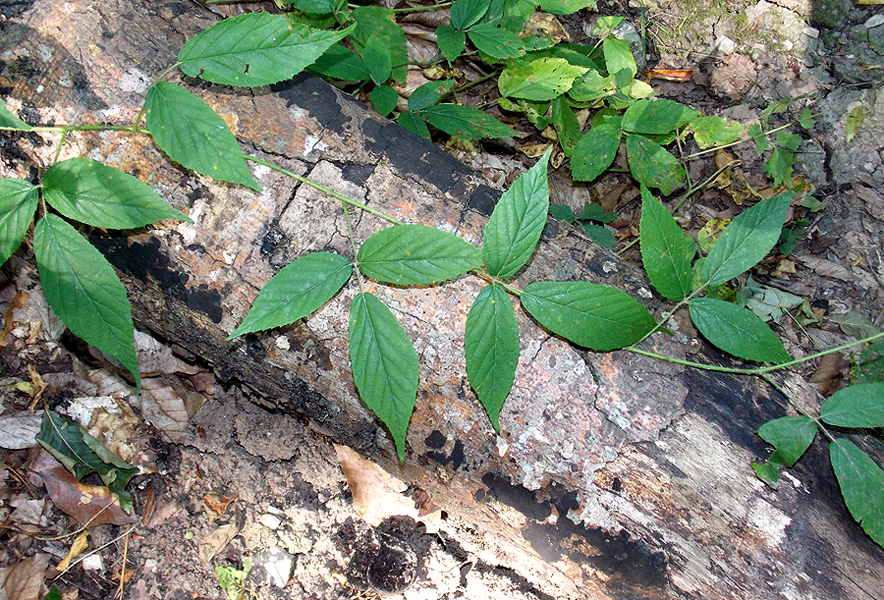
(255, 50)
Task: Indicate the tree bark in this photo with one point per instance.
(615, 475)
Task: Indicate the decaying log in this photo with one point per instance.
(615, 476)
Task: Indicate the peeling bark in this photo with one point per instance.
(616, 475)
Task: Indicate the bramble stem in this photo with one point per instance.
(323, 189)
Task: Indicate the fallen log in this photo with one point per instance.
(615, 475)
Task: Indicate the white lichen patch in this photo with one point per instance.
(770, 522)
(312, 143)
(135, 81)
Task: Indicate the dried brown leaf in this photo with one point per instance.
(832, 370)
(88, 504)
(216, 504)
(24, 579)
(378, 495)
(168, 405)
(216, 542)
(80, 544)
(19, 430)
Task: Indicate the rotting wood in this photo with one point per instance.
(616, 476)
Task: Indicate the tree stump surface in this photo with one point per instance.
(615, 475)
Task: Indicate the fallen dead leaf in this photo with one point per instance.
(216, 504)
(378, 495)
(17, 301)
(88, 504)
(168, 405)
(545, 25)
(678, 75)
(80, 544)
(24, 579)
(19, 430)
(216, 542)
(832, 370)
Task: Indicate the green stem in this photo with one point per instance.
(61, 140)
(323, 189)
(155, 81)
(65, 129)
(420, 8)
(796, 406)
(475, 82)
(483, 274)
(352, 244)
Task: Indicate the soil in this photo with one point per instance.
(225, 481)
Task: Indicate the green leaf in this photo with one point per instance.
(82, 454)
(83, 290)
(193, 135)
(93, 193)
(562, 212)
(377, 22)
(496, 42)
(384, 99)
(654, 117)
(514, 228)
(465, 122)
(339, 62)
(869, 366)
(790, 437)
(594, 212)
(779, 166)
(605, 26)
(806, 119)
(618, 57)
(429, 94)
(862, 485)
(254, 49)
(855, 119)
(378, 60)
(667, 251)
(566, 7)
(758, 136)
(466, 13)
(491, 345)
(737, 331)
(600, 234)
(856, 406)
(715, 131)
(416, 255)
(18, 203)
(297, 290)
(52, 594)
(9, 120)
(541, 79)
(747, 239)
(414, 123)
(450, 41)
(594, 316)
(653, 165)
(789, 140)
(591, 87)
(318, 7)
(594, 152)
(385, 365)
(566, 124)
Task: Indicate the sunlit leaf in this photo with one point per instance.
(855, 119)
(297, 290)
(618, 57)
(566, 7)
(18, 203)
(416, 255)
(715, 131)
(653, 165)
(737, 331)
(7, 119)
(84, 291)
(89, 192)
(254, 49)
(193, 135)
(491, 344)
(654, 117)
(542, 79)
(514, 227)
(465, 122)
(385, 365)
(594, 316)
(862, 485)
(747, 239)
(667, 251)
(855, 406)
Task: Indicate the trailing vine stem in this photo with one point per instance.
(770, 380)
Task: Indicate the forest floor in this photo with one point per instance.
(218, 461)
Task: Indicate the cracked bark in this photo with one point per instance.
(630, 477)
